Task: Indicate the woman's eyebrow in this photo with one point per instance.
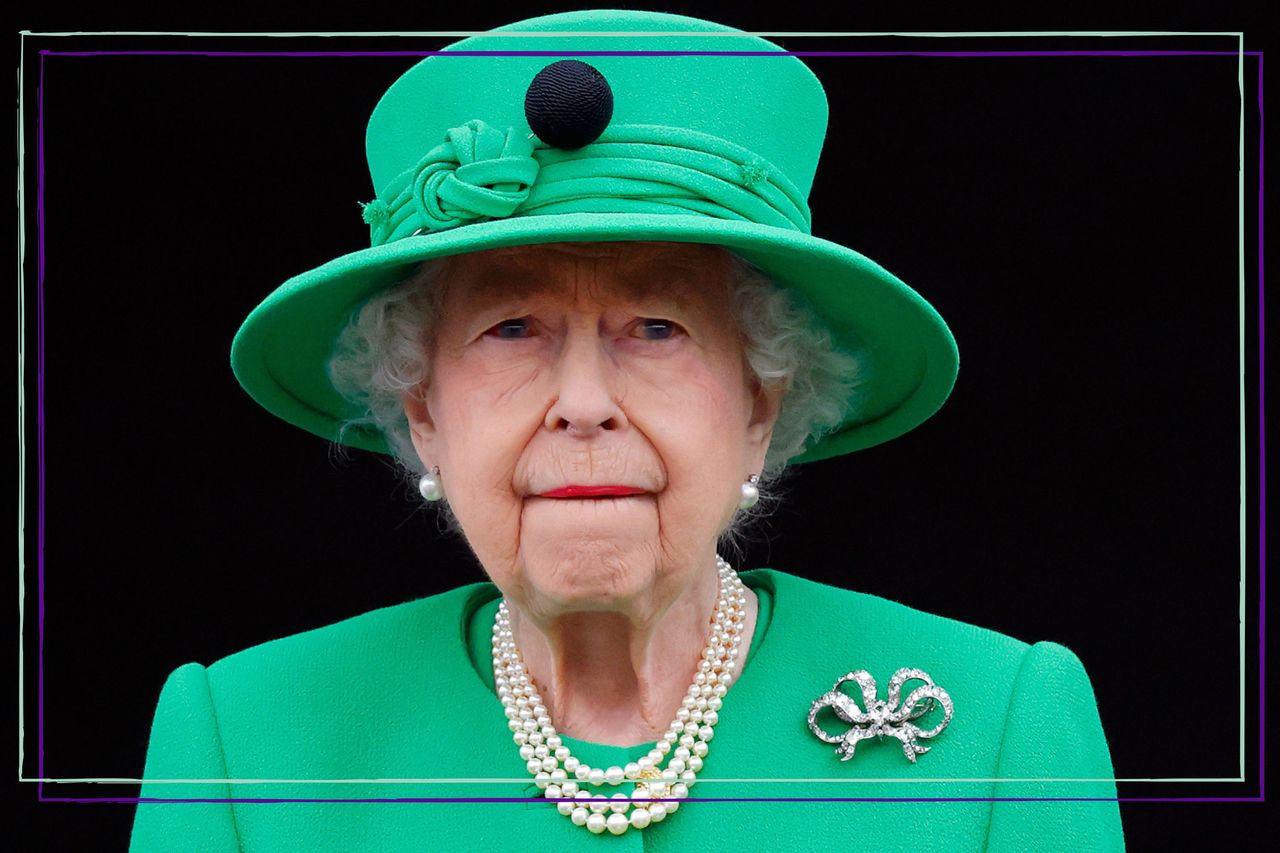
(661, 279)
(507, 282)
(658, 279)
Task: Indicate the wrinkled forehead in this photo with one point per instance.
(681, 272)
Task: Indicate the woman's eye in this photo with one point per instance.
(657, 330)
(519, 327)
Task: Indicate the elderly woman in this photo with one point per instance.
(594, 352)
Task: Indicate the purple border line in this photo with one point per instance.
(1095, 53)
(686, 800)
(1262, 471)
(40, 362)
(802, 53)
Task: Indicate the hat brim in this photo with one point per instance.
(280, 352)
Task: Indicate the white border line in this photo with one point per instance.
(527, 780)
(1243, 622)
(22, 412)
(1244, 444)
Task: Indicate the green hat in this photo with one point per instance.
(472, 151)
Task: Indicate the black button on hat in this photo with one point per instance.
(568, 104)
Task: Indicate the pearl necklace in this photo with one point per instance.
(551, 764)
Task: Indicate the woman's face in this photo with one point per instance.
(560, 372)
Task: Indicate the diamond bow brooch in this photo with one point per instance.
(883, 717)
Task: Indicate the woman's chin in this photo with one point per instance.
(587, 567)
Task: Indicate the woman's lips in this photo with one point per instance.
(592, 492)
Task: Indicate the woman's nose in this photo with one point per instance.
(587, 386)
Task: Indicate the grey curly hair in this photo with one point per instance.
(382, 353)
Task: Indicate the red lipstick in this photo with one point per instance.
(592, 492)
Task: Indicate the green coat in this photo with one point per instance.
(405, 692)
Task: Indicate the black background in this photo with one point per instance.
(1073, 219)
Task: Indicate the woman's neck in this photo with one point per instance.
(615, 677)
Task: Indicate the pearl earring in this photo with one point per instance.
(429, 485)
(750, 492)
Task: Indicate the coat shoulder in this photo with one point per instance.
(850, 621)
(388, 635)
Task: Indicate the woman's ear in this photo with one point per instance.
(766, 404)
(422, 429)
